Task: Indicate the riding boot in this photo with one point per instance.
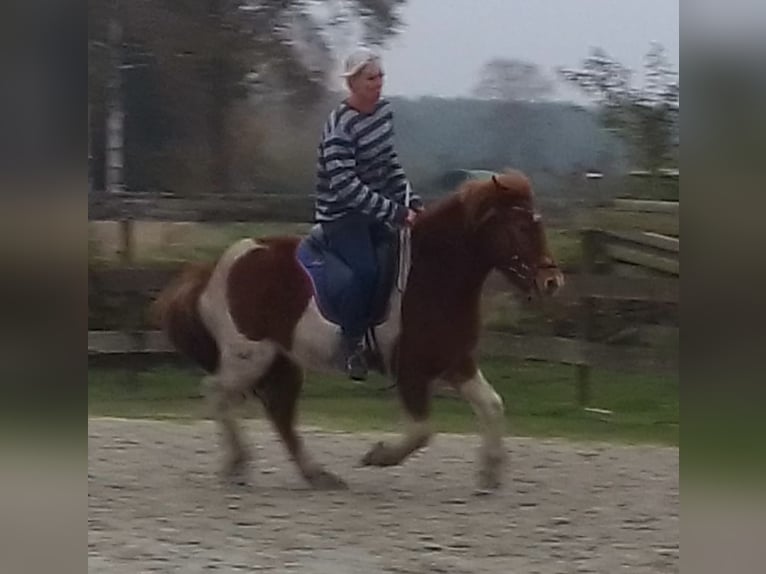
(354, 359)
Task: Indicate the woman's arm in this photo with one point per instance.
(348, 189)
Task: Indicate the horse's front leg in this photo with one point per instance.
(490, 411)
(415, 394)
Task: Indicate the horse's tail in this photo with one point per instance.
(176, 312)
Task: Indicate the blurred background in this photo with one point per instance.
(229, 97)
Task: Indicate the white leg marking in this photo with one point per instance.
(489, 409)
(221, 401)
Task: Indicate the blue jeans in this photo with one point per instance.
(354, 239)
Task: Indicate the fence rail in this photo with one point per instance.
(646, 206)
(283, 208)
(607, 218)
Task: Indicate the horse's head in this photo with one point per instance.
(509, 232)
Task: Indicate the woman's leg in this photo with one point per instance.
(349, 238)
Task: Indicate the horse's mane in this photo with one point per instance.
(508, 183)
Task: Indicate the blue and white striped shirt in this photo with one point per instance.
(358, 169)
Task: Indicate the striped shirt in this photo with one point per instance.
(358, 169)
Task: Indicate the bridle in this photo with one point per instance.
(521, 269)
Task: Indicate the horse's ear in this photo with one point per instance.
(498, 183)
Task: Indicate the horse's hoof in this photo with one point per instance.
(487, 486)
(479, 491)
(379, 455)
(236, 473)
(489, 481)
(324, 480)
(237, 479)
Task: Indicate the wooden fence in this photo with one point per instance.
(634, 244)
(630, 253)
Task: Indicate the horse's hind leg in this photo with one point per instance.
(228, 387)
(221, 398)
(279, 390)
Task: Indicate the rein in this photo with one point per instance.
(405, 237)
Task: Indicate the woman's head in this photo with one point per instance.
(364, 76)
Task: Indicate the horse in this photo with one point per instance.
(252, 321)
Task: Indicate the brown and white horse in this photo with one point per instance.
(251, 321)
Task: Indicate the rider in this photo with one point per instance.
(360, 193)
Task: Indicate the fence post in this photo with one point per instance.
(589, 251)
(127, 244)
(131, 298)
(583, 385)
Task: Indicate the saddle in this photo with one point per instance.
(329, 274)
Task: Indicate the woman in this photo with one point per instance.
(361, 190)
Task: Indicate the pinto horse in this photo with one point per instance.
(251, 320)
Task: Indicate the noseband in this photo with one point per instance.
(520, 268)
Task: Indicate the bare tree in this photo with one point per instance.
(513, 81)
(645, 117)
(515, 86)
(208, 56)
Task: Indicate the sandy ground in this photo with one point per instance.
(155, 504)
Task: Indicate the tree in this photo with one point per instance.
(516, 87)
(645, 117)
(210, 55)
(513, 81)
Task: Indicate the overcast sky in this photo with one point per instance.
(444, 43)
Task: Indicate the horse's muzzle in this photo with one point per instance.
(549, 280)
(550, 285)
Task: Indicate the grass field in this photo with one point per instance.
(540, 401)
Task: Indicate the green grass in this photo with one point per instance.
(540, 401)
(210, 240)
(564, 244)
(185, 241)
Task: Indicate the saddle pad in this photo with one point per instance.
(329, 275)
